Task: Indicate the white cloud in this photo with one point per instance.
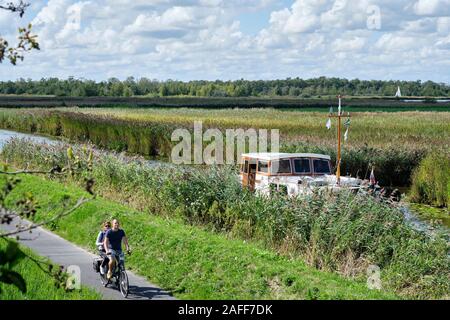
(203, 39)
(432, 7)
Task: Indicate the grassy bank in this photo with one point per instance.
(344, 234)
(191, 262)
(40, 286)
(393, 143)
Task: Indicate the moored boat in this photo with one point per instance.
(292, 173)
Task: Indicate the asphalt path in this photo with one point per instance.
(65, 253)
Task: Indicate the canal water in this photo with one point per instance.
(6, 135)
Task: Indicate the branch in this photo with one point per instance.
(79, 203)
(55, 170)
(39, 263)
(20, 7)
(25, 172)
(6, 216)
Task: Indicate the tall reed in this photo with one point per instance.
(391, 153)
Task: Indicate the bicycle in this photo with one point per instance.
(119, 274)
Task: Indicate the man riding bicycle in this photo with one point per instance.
(113, 245)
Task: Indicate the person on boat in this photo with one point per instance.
(100, 244)
(113, 245)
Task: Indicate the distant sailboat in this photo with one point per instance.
(398, 94)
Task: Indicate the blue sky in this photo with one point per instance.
(233, 39)
(254, 21)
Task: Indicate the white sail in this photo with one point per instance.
(339, 107)
(398, 94)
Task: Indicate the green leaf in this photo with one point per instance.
(13, 254)
(2, 258)
(19, 256)
(12, 277)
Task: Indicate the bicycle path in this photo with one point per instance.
(65, 253)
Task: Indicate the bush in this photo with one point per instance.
(431, 180)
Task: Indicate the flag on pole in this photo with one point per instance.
(328, 124)
(339, 107)
(347, 123)
(372, 180)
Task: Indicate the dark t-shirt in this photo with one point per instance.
(115, 239)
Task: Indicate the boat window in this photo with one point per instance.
(263, 166)
(245, 166)
(321, 166)
(252, 167)
(302, 165)
(281, 166)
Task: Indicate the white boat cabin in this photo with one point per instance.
(290, 173)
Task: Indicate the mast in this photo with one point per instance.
(338, 169)
(339, 127)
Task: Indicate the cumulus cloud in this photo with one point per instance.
(203, 39)
(432, 7)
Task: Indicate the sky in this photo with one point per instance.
(234, 39)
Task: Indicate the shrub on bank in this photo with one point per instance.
(431, 180)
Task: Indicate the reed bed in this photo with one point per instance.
(392, 143)
(376, 129)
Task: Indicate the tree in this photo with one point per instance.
(26, 208)
(127, 91)
(27, 41)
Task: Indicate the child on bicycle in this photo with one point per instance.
(100, 244)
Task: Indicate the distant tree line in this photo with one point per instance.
(290, 87)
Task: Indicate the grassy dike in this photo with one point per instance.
(40, 286)
(189, 261)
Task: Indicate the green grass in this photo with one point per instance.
(191, 262)
(40, 286)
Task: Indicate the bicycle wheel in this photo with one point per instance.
(124, 286)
